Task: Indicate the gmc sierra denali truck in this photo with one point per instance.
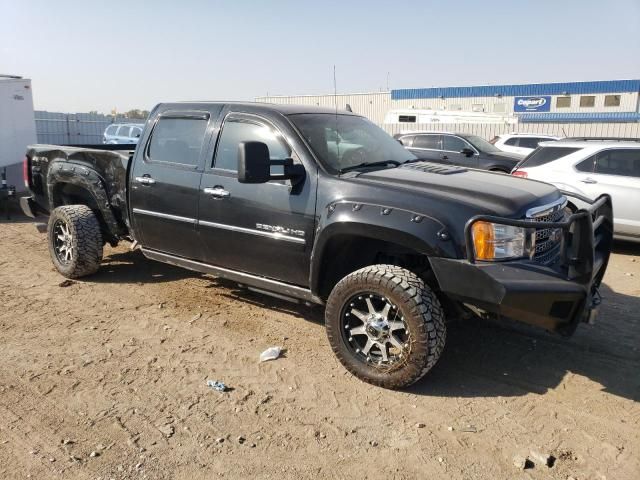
(323, 207)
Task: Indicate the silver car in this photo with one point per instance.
(123, 133)
(591, 167)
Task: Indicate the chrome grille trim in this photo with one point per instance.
(546, 249)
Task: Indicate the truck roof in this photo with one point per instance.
(263, 106)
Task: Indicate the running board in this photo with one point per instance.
(261, 284)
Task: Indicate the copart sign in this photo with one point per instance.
(532, 104)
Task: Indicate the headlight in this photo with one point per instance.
(493, 241)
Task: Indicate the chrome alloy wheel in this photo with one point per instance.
(62, 242)
(375, 330)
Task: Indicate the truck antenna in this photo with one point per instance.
(335, 102)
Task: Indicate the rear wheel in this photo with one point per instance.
(75, 240)
(385, 325)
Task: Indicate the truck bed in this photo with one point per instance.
(66, 167)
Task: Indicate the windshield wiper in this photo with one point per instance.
(395, 163)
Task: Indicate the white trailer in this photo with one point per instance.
(17, 126)
(405, 116)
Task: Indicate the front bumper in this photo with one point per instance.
(554, 297)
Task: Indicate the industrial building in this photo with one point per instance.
(609, 107)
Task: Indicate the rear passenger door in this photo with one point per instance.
(616, 172)
(122, 136)
(428, 146)
(165, 181)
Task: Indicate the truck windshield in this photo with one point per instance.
(343, 141)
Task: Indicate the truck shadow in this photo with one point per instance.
(133, 267)
(487, 359)
(481, 359)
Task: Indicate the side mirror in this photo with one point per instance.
(254, 165)
(467, 152)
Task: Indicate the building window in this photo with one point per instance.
(612, 100)
(588, 101)
(407, 118)
(477, 107)
(499, 108)
(455, 107)
(563, 102)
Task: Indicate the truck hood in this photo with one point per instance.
(516, 157)
(484, 192)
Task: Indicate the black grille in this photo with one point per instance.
(548, 240)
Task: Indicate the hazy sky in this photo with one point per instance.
(88, 55)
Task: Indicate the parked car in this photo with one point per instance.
(592, 167)
(458, 149)
(390, 245)
(122, 133)
(521, 143)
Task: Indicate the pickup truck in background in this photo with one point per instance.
(265, 196)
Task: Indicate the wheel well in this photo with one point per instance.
(344, 254)
(70, 194)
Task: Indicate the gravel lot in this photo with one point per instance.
(106, 378)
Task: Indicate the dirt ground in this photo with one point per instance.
(106, 379)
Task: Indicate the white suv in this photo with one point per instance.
(591, 167)
(522, 143)
(122, 133)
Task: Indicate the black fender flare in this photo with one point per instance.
(412, 230)
(64, 172)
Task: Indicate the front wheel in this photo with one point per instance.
(385, 325)
(75, 240)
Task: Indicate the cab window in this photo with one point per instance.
(235, 131)
(177, 140)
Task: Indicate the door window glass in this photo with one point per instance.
(529, 142)
(123, 131)
(111, 130)
(453, 144)
(136, 132)
(236, 131)
(623, 162)
(513, 142)
(427, 141)
(177, 140)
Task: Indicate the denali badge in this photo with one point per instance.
(278, 229)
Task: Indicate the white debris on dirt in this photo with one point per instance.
(271, 353)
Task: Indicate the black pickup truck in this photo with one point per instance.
(323, 207)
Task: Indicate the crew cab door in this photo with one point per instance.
(261, 229)
(165, 181)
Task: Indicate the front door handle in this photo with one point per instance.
(217, 192)
(588, 180)
(145, 180)
(444, 157)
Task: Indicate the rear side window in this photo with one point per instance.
(136, 132)
(123, 131)
(529, 142)
(513, 142)
(427, 141)
(622, 162)
(236, 131)
(545, 155)
(177, 140)
(111, 130)
(406, 141)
